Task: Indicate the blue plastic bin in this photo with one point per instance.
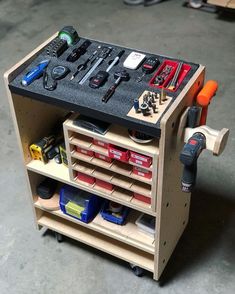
(111, 217)
(79, 204)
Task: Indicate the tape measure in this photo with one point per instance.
(69, 34)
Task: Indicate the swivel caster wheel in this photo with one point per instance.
(196, 3)
(59, 237)
(138, 271)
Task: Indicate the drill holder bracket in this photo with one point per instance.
(215, 140)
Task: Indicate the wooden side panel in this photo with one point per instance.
(8, 77)
(172, 204)
(35, 120)
(231, 4)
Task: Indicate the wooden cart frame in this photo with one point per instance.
(171, 206)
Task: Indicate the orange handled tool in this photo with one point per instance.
(204, 97)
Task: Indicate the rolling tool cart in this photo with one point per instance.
(137, 151)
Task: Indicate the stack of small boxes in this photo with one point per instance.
(140, 163)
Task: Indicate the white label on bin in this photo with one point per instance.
(140, 157)
(115, 152)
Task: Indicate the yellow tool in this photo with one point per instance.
(39, 150)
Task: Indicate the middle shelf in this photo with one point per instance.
(61, 173)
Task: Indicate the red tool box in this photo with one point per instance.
(139, 171)
(104, 185)
(103, 157)
(118, 153)
(85, 178)
(84, 151)
(100, 143)
(140, 159)
(142, 198)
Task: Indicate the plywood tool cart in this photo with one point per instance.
(159, 194)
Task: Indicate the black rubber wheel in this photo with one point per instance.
(59, 237)
(195, 3)
(138, 271)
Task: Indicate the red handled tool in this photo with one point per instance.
(204, 97)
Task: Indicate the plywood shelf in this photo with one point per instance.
(99, 150)
(86, 143)
(60, 173)
(118, 167)
(97, 240)
(127, 233)
(117, 134)
(81, 141)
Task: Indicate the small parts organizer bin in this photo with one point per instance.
(112, 164)
(79, 204)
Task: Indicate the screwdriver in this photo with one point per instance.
(174, 81)
(83, 65)
(101, 77)
(119, 77)
(103, 53)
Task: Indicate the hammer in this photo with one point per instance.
(119, 76)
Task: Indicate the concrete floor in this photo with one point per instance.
(204, 260)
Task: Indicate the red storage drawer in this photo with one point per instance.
(142, 198)
(140, 159)
(103, 157)
(118, 153)
(139, 171)
(104, 185)
(100, 143)
(85, 178)
(85, 151)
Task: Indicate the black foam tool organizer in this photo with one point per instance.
(87, 101)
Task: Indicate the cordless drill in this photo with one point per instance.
(188, 157)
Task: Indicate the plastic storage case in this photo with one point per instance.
(84, 151)
(146, 224)
(79, 204)
(112, 217)
(140, 159)
(85, 178)
(118, 153)
(103, 157)
(139, 171)
(142, 198)
(100, 143)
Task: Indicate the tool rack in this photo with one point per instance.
(34, 113)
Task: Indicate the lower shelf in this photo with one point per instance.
(127, 233)
(99, 241)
